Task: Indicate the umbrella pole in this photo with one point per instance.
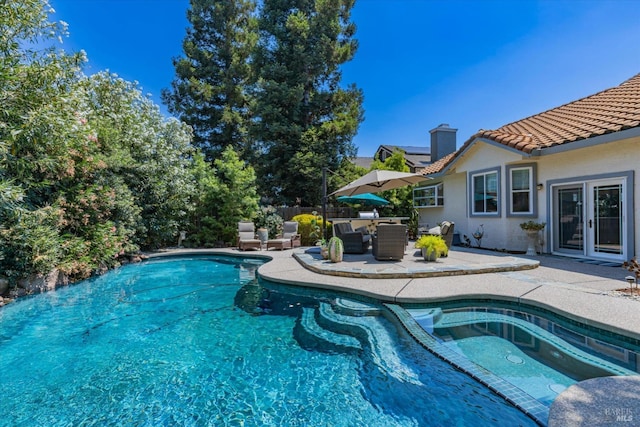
(324, 203)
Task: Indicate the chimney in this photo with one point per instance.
(443, 141)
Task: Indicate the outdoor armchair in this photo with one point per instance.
(288, 239)
(354, 241)
(247, 236)
(390, 242)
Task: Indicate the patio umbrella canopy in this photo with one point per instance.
(365, 199)
(380, 180)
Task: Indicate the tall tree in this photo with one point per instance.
(304, 120)
(209, 91)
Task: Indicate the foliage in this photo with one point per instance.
(226, 194)
(310, 228)
(149, 156)
(30, 243)
(532, 225)
(89, 169)
(304, 119)
(413, 223)
(267, 217)
(210, 90)
(431, 244)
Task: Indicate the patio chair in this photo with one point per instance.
(445, 230)
(247, 236)
(390, 242)
(354, 241)
(288, 239)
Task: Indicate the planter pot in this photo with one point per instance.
(532, 236)
(432, 256)
(336, 249)
(263, 235)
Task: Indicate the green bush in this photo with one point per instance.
(310, 228)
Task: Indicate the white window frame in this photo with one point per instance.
(437, 198)
(533, 199)
(471, 185)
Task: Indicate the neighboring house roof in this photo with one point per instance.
(414, 157)
(408, 149)
(364, 162)
(611, 110)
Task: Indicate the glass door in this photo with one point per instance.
(588, 219)
(605, 222)
(569, 220)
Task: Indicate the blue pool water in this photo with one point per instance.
(539, 355)
(198, 341)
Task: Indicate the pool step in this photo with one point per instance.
(311, 335)
(374, 336)
(356, 308)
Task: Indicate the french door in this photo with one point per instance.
(588, 219)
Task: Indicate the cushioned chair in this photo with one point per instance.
(445, 230)
(354, 241)
(247, 236)
(390, 242)
(288, 239)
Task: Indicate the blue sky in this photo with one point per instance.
(474, 64)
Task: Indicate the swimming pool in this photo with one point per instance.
(198, 341)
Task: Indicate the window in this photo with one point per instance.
(426, 197)
(520, 187)
(485, 187)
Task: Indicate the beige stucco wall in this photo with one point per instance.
(504, 232)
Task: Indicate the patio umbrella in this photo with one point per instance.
(365, 199)
(380, 180)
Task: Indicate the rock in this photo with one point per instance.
(37, 283)
(17, 293)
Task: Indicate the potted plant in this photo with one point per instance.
(532, 229)
(268, 223)
(324, 248)
(432, 247)
(336, 249)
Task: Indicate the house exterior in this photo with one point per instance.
(574, 167)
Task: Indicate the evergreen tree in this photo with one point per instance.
(304, 120)
(209, 91)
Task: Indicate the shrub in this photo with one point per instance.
(532, 225)
(432, 243)
(310, 228)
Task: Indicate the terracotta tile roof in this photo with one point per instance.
(611, 110)
(437, 166)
